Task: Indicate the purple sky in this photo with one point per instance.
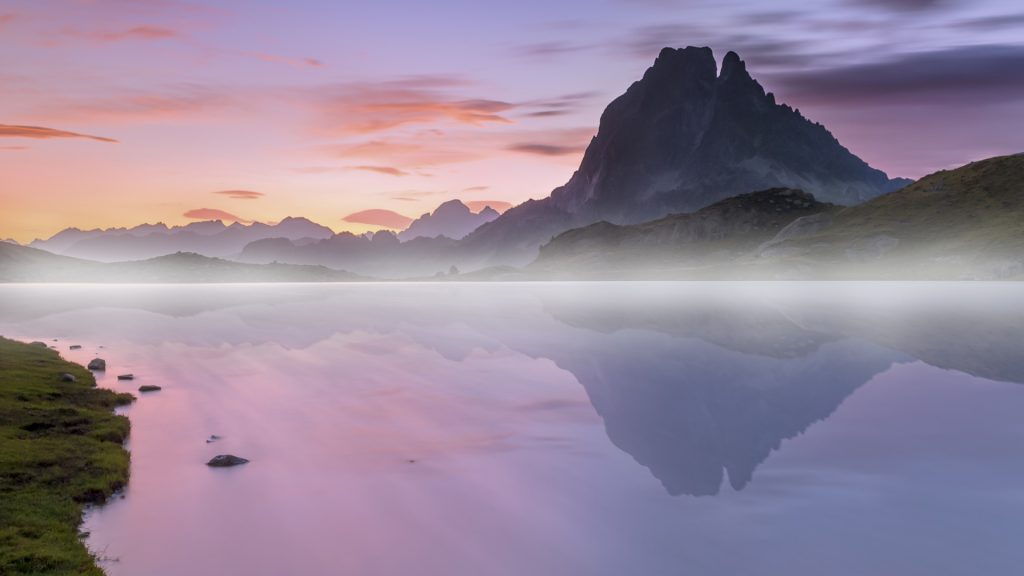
(325, 109)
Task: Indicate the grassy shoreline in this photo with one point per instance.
(61, 448)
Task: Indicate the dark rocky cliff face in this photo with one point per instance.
(686, 136)
(681, 138)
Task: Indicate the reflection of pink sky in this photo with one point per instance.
(331, 390)
(330, 430)
(360, 112)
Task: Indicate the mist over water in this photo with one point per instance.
(562, 428)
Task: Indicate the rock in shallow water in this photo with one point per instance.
(148, 388)
(126, 377)
(225, 460)
(75, 347)
(97, 364)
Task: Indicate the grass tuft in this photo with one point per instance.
(61, 447)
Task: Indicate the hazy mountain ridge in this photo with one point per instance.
(452, 219)
(26, 264)
(380, 254)
(209, 238)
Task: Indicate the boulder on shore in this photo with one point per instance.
(65, 377)
(38, 343)
(97, 364)
(225, 460)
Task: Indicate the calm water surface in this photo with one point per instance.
(601, 428)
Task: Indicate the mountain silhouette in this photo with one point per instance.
(681, 138)
(452, 219)
(209, 238)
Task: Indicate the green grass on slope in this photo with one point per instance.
(972, 210)
(60, 448)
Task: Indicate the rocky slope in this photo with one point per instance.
(954, 224)
(679, 139)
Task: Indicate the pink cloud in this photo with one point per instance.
(39, 132)
(293, 62)
(407, 152)
(241, 194)
(136, 33)
(499, 206)
(368, 108)
(541, 149)
(213, 214)
(386, 170)
(177, 102)
(380, 217)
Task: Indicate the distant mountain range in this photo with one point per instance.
(453, 219)
(26, 264)
(428, 246)
(259, 242)
(210, 238)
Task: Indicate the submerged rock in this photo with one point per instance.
(148, 387)
(65, 377)
(212, 438)
(97, 364)
(126, 376)
(225, 460)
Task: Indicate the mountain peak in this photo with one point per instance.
(732, 64)
(690, 60)
(687, 135)
(452, 207)
(452, 219)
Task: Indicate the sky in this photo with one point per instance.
(356, 115)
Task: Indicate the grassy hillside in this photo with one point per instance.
(962, 223)
(60, 448)
(678, 244)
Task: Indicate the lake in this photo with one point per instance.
(562, 428)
